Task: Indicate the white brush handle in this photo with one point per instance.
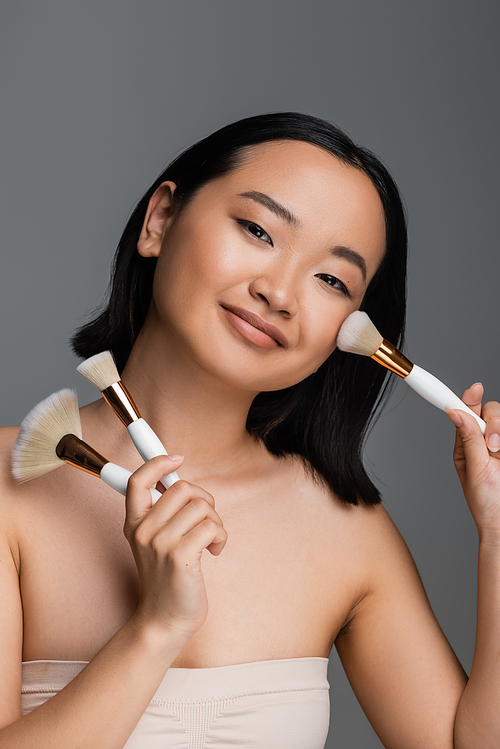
(149, 446)
(117, 478)
(433, 390)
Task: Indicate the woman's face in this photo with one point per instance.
(257, 273)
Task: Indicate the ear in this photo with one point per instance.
(158, 219)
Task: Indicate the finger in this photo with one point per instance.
(188, 517)
(206, 535)
(174, 498)
(491, 415)
(138, 500)
(470, 445)
(472, 397)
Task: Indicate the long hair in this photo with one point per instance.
(325, 418)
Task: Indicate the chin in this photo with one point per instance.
(240, 368)
(256, 381)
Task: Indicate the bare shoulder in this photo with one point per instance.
(361, 552)
(7, 438)
(8, 485)
(9, 489)
(11, 616)
(391, 646)
(367, 529)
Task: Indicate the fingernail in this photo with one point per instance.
(455, 417)
(175, 456)
(494, 442)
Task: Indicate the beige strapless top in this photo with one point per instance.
(277, 704)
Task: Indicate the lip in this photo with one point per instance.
(257, 322)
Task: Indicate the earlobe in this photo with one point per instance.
(158, 218)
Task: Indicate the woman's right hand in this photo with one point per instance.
(167, 540)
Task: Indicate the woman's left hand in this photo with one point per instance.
(477, 459)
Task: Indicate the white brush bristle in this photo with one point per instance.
(100, 370)
(34, 451)
(358, 335)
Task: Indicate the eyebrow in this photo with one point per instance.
(279, 210)
(272, 205)
(351, 256)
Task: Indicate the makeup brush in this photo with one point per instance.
(100, 370)
(51, 435)
(358, 335)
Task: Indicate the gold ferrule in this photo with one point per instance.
(80, 455)
(120, 400)
(390, 357)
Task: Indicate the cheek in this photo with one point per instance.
(181, 267)
(321, 343)
(204, 257)
(325, 324)
(321, 353)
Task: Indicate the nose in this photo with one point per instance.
(277, 288)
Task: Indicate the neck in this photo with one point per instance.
(191, 411)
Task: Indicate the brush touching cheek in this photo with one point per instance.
(358, 335)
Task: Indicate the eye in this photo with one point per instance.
(334, 283)
(256, 231)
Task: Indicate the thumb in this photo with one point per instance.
(138, 501)
(470, 454)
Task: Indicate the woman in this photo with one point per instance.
(232, 279)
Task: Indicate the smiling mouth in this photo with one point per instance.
(254, 328)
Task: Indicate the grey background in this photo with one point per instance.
(97, 96)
